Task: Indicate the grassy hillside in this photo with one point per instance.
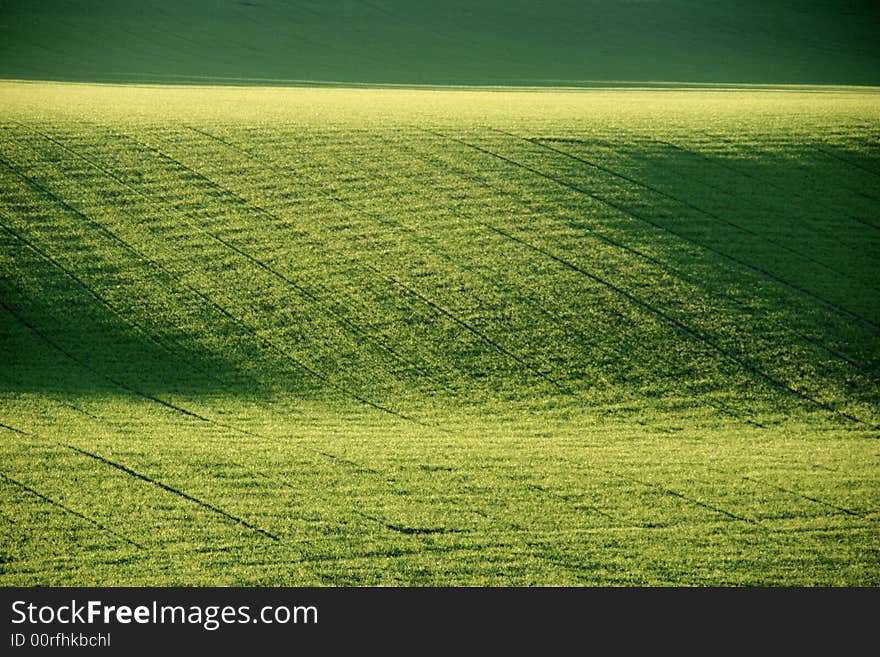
(335, 336)
(447, 42)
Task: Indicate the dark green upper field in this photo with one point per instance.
(512, 42)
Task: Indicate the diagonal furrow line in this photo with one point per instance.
(435, 307)
(308, 294)
(462, 173)
(543, 143)
(177, 409)
(465, 325)
(687, 498)
(403, 529)
(600, 167)
(352, 464)
(677, 324)
(693, 500)
(623, 210)
(13, 429)
(155, 482)
(681, 327)
(114, 237)
(91, 292)
(263, 340)
(839, 356)
(67, 509)
(755, 202)
(128, 186)
(174, 491)
(673, 493)
(807, 497)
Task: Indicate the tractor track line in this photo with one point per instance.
(106, 304)
(819, 344)
(150, 480)
(672, 272)
(321, 377)
(740, 198)
(721, 407)
(568, 499)
(845, 161)
(121, 385)
(795, 165)
(67, 509)
(812, 226)
(691, 332)
(873, 376)
(179, 409)
(409, 531)
(807, 497)
(667, 491)
(562, 324)
(687, 498)
(175, 491)
(446, 313)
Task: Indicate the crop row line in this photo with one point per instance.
(101, 300)
(468, 327)
(252, 260)
(818, 343)
(572, 330)
(137, 475)
(682, 327)
(64, 507)
(750, 199)
(829, 350)
(174, 491)
(846, 161)
(604, 239)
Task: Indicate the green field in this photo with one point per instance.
(292, 336)
(373, 330)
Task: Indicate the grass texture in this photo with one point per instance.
(303, 336)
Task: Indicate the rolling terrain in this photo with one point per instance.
(373, 330)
